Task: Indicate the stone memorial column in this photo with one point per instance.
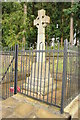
(37, 75)
(41, 22)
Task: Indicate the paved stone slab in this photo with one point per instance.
(32, 115)
(6, 113)
(10, 102)
(23, 109)
(28, 108)
(13, 116)
(41, 113)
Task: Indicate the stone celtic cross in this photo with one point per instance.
(41, 22)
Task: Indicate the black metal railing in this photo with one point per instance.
(70, 75)
(7, 72)
(49, 75)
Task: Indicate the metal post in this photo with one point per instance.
(78, 69)
(16, 63)
(64, 76)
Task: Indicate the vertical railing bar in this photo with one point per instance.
(16, 61)
(11, 70)
(44, 76)
(77, 72)
(21, 72)
(12, 75)
(31, 84)
(4, 66)
(6, 83)
(4, 95)
(9, 73)
(14, 48)
(48, 76)
(74, 74)
(63, 79)
(11, 48)
(75, 80)
(78, 68)
(68, 79)
(34, 77)
(56, 74)
(23, 78)
(52, 77)
(38, 70)
(5, 80)
(69, 73)
(23, 69)
(28, 72)
(69, 76)
(8, 79)
(41, 71)
(66, 88)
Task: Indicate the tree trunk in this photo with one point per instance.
(33, 8)
(32, 12)
(71, 27)
(25, 15)
(62, 33)
(61, 40)
(71, 30)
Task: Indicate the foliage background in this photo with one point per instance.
(13, 25)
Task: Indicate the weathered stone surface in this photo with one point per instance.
(41, 22)
(29, 108)
(41, 113)
(23, 109)
(13, 116)
(39, 79)
(10, 102)
(6, 113)
(74, 107)
(32, 115)
(0, 115)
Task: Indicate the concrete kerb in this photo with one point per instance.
(73, 107)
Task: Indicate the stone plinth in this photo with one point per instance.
(38, 79)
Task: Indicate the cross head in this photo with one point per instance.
(41, 20)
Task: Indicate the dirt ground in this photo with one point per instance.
(6, 92)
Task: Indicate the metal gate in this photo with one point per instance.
(7, 71)
(41, 79)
